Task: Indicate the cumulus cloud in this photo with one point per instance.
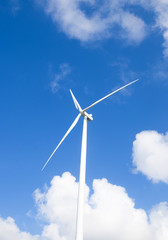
(88, 20)
(51, 232)
(64, 70)
(109, 214)
(159, 220)
(58, 204)
(10, 231)
(150, 155)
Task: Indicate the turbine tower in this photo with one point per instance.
(86, 117)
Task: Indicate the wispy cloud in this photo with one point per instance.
(15, 6)
(161, 11)
(122, 69)
(64, 71)
(108, 19)
(150, 155)
(72, 18)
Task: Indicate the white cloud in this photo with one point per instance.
(64, 71)
(72, 18)
(160, 10)
(109, 214)
(150, 155)
(134, 27)
(108, 19)
(159, 220)
(10, 231)
(51, 232)
(109, 210)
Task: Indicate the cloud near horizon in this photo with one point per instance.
(150, 155)
(109, 214)
(90, 20)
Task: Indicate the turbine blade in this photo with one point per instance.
(78, 107)
(66, 134)
(109, 95)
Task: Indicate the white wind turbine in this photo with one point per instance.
(87, 117)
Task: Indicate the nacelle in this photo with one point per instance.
(85, 114)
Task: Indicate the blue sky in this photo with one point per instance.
(48, 47)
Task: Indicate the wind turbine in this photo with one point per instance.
(87, 117)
